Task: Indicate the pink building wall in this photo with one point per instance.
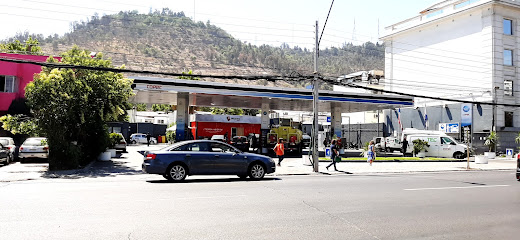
(23, 72)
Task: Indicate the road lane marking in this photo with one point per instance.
(447, 188)
(209, 197)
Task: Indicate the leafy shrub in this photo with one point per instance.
(170, 136)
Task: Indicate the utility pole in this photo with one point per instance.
(315, 155)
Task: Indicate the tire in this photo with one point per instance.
(256, 171)
(388, 150)
(458, 155)
(242, 176)
(176, 172)
(134, 142)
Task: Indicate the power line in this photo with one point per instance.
(121, 70)
(416, 95)
(324, 25)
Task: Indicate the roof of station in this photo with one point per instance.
(212, 94)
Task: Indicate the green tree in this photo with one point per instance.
(161, 108)
(20, 124)
(31, 46)
(140, 107)
(190, 72)
(72, 106)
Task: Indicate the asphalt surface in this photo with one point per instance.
(106, 204)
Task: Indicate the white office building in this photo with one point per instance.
(460, 49)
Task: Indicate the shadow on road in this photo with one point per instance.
(98, 169)
(216, 180)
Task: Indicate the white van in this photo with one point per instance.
(388, 144)
(414, 131)
(440, 146)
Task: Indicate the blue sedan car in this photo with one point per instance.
(205, 157)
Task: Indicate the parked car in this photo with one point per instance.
(205, 157)
(141, 138)
(4, 154)
(241, 143)
(9, 143)
(221, 138)
(122, 144)
(306, 140)
(34, 147)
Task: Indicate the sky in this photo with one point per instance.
(271, 22)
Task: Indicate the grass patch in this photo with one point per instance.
(396, 159)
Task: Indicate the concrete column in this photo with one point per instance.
(182, 116)
(264, 125)
(335, 123)
(336, 120)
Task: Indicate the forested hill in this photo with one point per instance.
(170, 41)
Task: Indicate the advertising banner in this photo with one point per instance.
(466, 111)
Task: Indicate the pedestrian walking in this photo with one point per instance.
(405, 146)
(279, 150)
(371, 156)
(333, 154)
(148, 136)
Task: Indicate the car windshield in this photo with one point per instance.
(446, 140)
(34, 142)
(239, 139)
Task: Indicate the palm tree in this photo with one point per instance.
(491, 141)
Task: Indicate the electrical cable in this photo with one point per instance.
(418, 96)
(121, 70)
(324, 25)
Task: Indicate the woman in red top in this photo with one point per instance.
(279, 150)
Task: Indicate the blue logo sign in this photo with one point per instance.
(328, 119)
(465, 114)
(327, 152)
(265, 113)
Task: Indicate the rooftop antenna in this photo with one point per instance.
(354, 32)
(378, 30)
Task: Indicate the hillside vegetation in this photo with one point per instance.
(170, 41)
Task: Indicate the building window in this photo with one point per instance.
(160, 121)
(508, 27)
(508, 57)
(508, 88)
(509, 119)
(8, 84)
(433, 14)
(465, 3)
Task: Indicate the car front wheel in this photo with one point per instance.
(458, 155)
(176, 172)
(256, 171)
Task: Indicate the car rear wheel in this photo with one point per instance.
(256, 171)
(176, 172)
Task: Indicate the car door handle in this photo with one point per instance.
(188, 155)
(217, 156)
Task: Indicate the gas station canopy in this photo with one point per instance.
(212, 94)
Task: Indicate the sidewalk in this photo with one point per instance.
(130, 164)
(295, 166)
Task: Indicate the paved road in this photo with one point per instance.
(105, 204)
